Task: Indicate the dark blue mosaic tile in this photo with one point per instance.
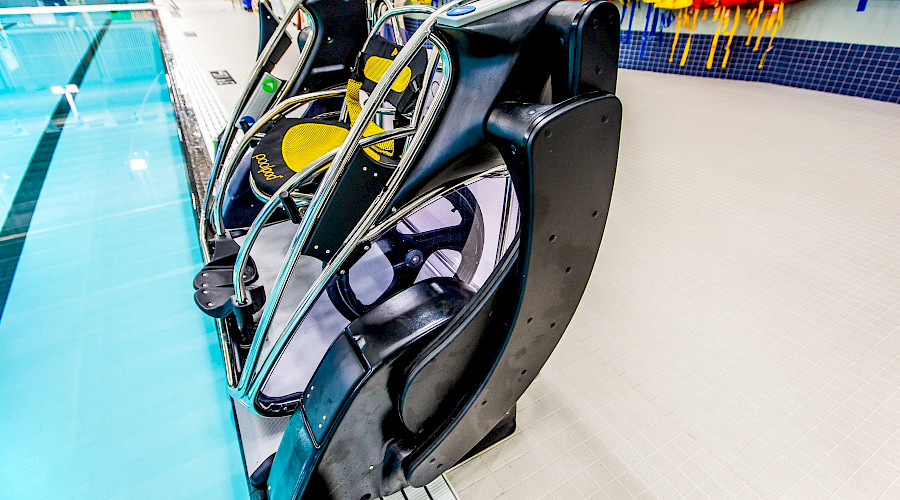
(868, 71)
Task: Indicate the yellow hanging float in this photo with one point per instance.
(737, 20)
(776, 20)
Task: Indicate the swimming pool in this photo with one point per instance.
(111, 381)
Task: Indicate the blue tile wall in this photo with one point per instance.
(868, 71)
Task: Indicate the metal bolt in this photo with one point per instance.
(209, 304)
(315, 247)
(371, 467)
(327, 251)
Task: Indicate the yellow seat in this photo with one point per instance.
(293, 143)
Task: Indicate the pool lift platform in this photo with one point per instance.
(397, 238)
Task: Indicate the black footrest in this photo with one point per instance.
(214, 285)
(213, 276)
(219, 301)
(220, 269)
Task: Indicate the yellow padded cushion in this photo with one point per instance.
(376, 67)
(303, 143)
(354, 107)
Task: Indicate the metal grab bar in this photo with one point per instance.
(224, 146)
(395, 12)
(400, 11)
(240, 288)
(222, 153)
(285, 106)
(251, 382)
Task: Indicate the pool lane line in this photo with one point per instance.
(18, 220)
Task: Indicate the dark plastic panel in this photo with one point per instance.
(337, 375)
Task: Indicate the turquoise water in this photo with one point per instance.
(111, 380)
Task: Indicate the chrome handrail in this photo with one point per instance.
(423, 200)
(246, 392)
(396, 11)
(240, 288)
(222, 153)
(224, 146)
(401, 11)
(284, 107)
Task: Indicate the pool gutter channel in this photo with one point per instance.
(197, 160)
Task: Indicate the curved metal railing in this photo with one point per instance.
(254, 374)
(225, 142)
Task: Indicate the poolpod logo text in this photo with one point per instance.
(265, 167)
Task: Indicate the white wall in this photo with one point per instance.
(828, 20)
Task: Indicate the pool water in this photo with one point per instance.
(111, 380)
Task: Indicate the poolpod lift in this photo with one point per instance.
(395, 295)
